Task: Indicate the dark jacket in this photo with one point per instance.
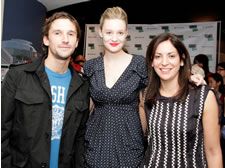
(26, 114)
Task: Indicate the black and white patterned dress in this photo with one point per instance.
(176, 132)
(114, 137)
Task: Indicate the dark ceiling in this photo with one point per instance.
(144, 12)
(149, 12)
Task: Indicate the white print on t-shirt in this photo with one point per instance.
(58, 102)
(58, 93)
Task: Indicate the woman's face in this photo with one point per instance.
(167, 62)
(113, 33)
(221, 71)
(213, 84)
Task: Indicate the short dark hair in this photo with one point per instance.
(204, 60)
(221, 64)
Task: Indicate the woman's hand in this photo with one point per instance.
(197, 79)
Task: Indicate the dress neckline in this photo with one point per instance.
(120, 77)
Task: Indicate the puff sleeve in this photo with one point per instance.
(89, 68)
(141, 69)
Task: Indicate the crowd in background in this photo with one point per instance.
(217, 82)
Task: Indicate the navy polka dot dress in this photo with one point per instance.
(114, 135)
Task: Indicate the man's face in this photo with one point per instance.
(62, 39)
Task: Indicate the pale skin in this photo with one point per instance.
(211, 130)
(166, 64)
(113, 33)
(61, 41)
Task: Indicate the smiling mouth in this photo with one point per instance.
(165, 70)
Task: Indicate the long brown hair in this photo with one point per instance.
(184, 72)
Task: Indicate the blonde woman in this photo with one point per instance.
(114, 136)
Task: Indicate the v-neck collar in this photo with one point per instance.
(121, 76)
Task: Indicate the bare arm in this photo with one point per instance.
(92, 106)
(211, 130)
(142, 113)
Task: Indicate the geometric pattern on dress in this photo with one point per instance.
(166, 135)
(171, 125)
(197, 126)
(185, 131)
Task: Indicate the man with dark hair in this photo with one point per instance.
(45, 104)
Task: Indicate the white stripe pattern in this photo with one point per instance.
(166, 135)
(154, 134)
(176, 137)
(185, 132)
(173, 135)
(197, 126)
(159, 135)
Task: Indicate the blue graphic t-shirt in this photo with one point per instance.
(59, 88)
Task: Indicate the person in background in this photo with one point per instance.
(203, 61)
(183, 119)
(220, 68)
(78, 63)
(45, 104)
(195, 69)
(216, 82)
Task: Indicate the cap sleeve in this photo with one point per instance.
(88, 68)
(141, 69)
